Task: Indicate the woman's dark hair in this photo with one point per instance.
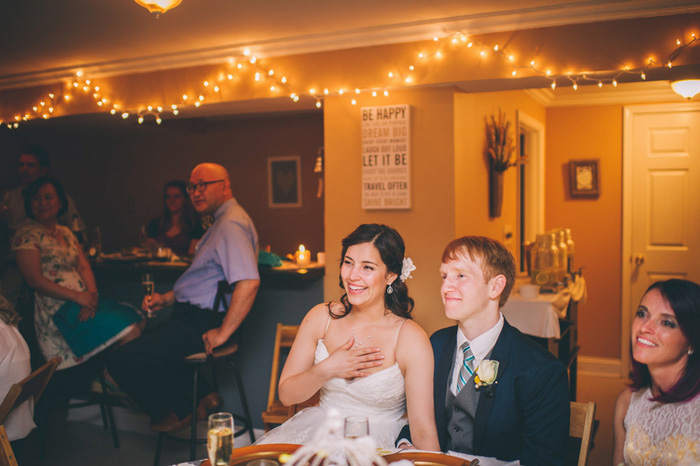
(391, 249)
(166, 220)
(33, 188)
(683, 297)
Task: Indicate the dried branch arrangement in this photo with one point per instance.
(499, 142)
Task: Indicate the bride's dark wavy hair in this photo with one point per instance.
(391, 250)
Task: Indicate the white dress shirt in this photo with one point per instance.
(481, 346)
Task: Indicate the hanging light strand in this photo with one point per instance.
(235, 68)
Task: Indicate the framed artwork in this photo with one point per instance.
(584, 178)
(284, 181)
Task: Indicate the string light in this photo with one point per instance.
(47, 105)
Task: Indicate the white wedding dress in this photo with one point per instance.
(381, 397)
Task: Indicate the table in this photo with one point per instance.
(551, 320)
(245, 454)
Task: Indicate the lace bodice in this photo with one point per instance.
(381, 397)
(662, 433)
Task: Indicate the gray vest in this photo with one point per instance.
(460, 411)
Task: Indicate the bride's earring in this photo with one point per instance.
(389, 289)
(690, 351)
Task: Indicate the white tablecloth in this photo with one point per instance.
(540, 316)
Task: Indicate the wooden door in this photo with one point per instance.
(662, 205)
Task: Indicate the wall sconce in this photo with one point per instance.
(158, 6)
(686, 88)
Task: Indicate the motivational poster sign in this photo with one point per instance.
(386, 157)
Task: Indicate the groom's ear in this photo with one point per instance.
(496, 286)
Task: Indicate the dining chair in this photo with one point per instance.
(31, 386)
(200, 361)
(276, 412)
(7, 457)
(581, 427)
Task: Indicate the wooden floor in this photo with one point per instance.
(82, 441)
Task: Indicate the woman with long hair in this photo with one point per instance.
(178, 227)
(657, 419)
(363, 352)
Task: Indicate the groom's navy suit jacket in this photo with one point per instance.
(528, 416)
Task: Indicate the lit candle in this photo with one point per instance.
(302, 257)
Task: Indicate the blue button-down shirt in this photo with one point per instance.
(227, 251)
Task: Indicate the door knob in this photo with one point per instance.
(639, 259)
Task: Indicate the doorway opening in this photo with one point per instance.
(530, 197)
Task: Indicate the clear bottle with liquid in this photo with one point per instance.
(569, 251)
(546, 261)
(563, 254)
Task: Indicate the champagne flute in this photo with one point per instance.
(356, 426)
(147, 283)
(220, 439)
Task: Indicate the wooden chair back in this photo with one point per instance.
(276, 412)
(581, 426)
(32, 386)
(7, 457)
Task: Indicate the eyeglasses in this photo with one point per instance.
(201, 186)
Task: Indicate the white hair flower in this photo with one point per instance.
(406, 269)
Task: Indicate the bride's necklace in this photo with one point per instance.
(359, 342)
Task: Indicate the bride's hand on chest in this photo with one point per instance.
(349, 362)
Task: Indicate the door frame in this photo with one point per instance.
(535, 175)
(627, 161)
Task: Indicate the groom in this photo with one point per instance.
(520, 411)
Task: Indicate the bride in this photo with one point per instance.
(364, 353)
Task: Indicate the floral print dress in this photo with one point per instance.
(60, 265)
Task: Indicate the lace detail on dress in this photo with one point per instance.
(381, 397)
(662, 433)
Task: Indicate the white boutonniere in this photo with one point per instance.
(486, 375)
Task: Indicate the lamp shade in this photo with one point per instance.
(687, 88)
(158, 6)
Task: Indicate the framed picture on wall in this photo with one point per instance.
(284, 181)
(584, 178)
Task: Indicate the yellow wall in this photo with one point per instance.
(472, 170)
(429, 225)
(593, 132)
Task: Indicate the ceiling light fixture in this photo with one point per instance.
(687, 88)
(158, 6)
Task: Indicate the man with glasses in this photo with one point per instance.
(150, 368)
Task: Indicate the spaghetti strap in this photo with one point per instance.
(396, 343)
(327, 324)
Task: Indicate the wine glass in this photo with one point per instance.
(356, 426)
(147, 283)
(220, 439)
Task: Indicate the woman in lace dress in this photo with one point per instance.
(363, 353)
(657, 419)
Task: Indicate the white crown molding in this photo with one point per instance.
(524, 18)
(542, 96)
(631, 93)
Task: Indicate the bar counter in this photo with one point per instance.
(286, 294)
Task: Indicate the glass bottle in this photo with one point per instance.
(563, 255)
(569, 251)
(539, 272)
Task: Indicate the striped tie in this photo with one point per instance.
(466, 371)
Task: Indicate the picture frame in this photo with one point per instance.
(584, 178)
(284, 181)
